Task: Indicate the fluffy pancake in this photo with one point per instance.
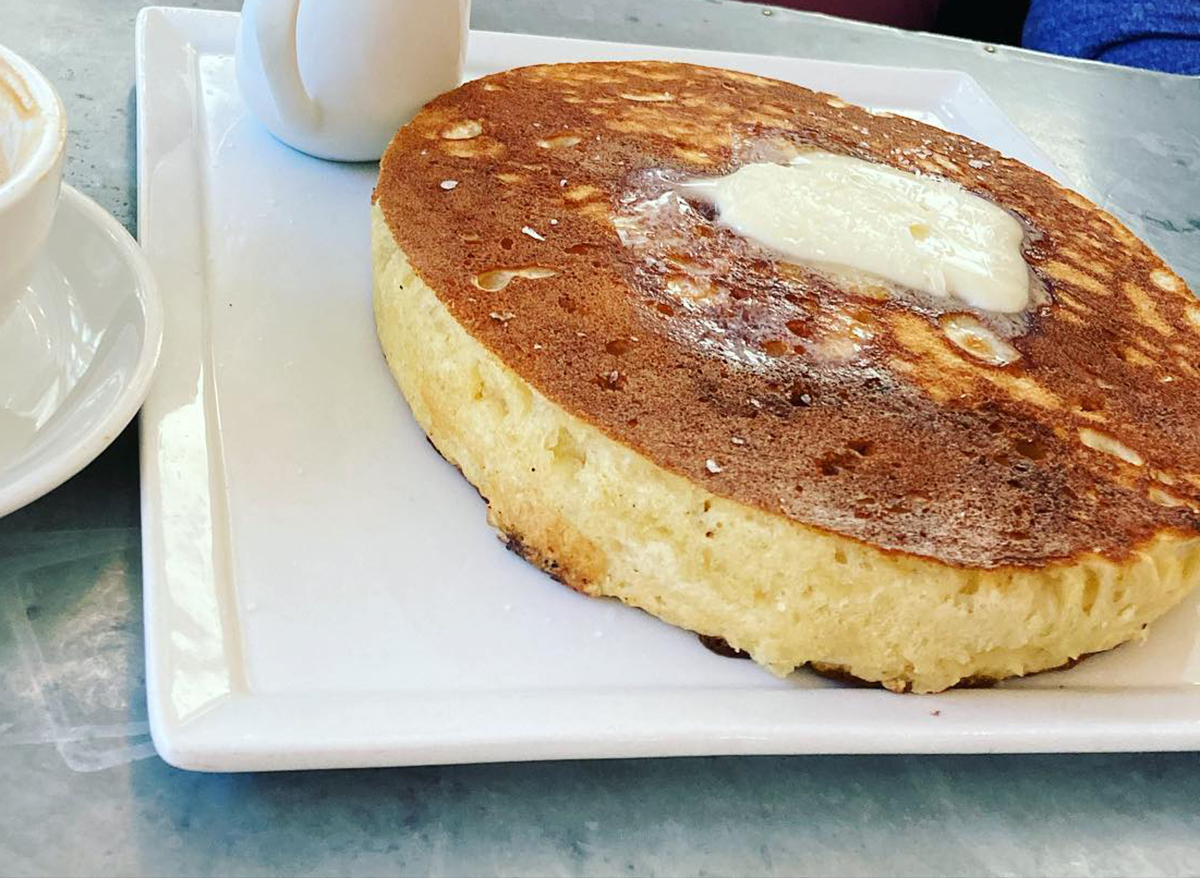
(807, 468)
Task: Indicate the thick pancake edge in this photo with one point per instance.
(605, 520)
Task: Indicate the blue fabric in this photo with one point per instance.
(1155, 34)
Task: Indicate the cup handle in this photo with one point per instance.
(275, 30)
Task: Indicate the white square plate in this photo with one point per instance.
(322, 589)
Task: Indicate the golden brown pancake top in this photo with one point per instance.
(834, 404)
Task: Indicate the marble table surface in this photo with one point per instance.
(81, 791)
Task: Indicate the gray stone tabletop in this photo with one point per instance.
(82, 793)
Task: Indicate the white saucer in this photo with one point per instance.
(77, 351)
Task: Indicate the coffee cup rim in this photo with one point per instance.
(54, 132)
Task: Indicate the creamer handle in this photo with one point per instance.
(275, 29)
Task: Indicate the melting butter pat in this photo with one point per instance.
(920, 232)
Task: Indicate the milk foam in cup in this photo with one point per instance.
(33, 133)
(336, 79)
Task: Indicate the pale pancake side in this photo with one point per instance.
(605, 520)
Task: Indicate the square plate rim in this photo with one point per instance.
(225, 734)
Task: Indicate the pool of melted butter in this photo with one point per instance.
(798, 253)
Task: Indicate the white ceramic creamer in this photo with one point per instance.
(337, 78)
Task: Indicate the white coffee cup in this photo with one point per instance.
(337, 78)
(33, 136)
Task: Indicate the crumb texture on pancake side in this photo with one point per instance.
(607, 521)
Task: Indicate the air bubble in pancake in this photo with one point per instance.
(560, 141)
(465, 130)
(1165, 280)
(649, 97)
(1098, 441)
(1162, 498)
(969, 334)
(686, 286)
(498, 278)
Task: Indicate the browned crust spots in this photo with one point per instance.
(910, 446)
(840, 674)
(720, 646)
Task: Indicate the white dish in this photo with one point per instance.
(33, 136)
(322, 589)
(77, 351)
